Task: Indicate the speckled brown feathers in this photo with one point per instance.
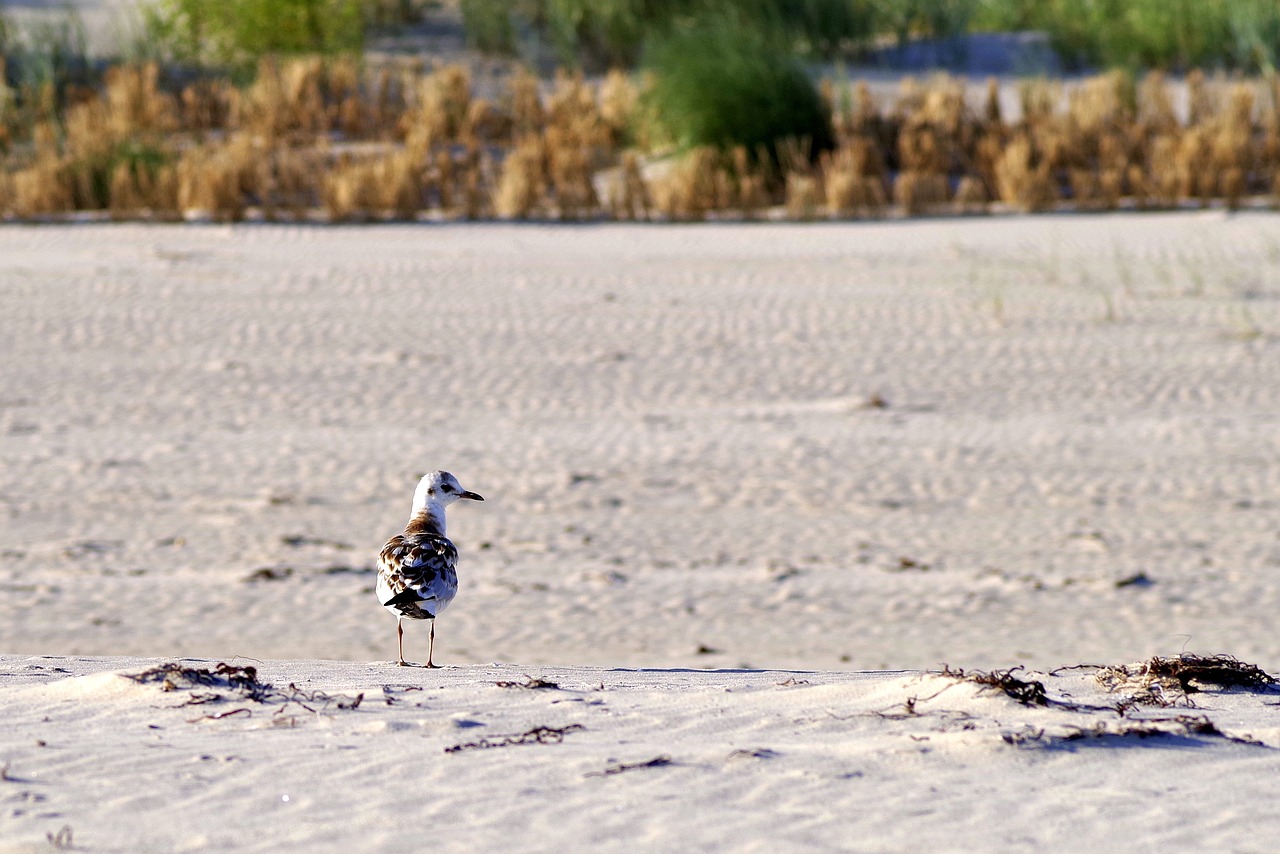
(417, 575)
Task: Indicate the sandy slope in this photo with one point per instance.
(741, 760)
(671, 425)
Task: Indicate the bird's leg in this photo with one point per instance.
(431, 644)
(400, 638)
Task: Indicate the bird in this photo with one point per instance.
(417, 570)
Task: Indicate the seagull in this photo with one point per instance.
(417, 570)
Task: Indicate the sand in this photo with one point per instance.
(834, 448)
(655, 760)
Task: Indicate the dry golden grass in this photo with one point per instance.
(747, 184)
(804, 196)
(351, 192)
(628, 196)
(439, 105)
(1023, 183)
(692, 188)
(971, 196)
(314, 137)
(920, 192)
(525, 104)
(522, 183)
(143, 193)
(41, 190)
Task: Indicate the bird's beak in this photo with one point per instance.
(472, 495)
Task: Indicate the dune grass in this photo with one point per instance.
(722, 121)
(327, 139)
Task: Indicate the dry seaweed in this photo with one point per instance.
(537, 735)
(389, 692)
(321, 698)
(1027, 692)
(1151, 682)
(173, 676)
(240, 683)
(530, 683)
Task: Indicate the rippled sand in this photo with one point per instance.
(887, 445)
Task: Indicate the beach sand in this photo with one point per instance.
(465, 759)
(830, 448)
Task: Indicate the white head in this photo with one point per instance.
(441, 489)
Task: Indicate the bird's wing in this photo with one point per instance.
(415, 568)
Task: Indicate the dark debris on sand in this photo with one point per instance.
(531, 683)
(537, 735)
(1161, 680)
(1181, 726)
(240, 683)
(1028, 692)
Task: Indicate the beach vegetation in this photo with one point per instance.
(723, 84)
(722, 119)
(312, 137)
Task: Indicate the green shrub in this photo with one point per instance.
(238, 33)
(725, 83)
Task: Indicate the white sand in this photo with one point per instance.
(758, 760)
(669, 425)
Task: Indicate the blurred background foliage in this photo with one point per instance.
(585, 108)
(1167, 34)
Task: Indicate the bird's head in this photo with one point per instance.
(440, 487)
